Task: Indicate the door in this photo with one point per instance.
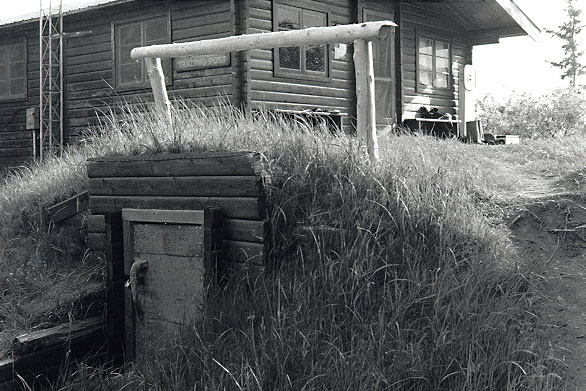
(164, 262)
(384, 70)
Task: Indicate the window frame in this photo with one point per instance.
(303, 73)
(167, 63)
(24, 95)
(431, 88)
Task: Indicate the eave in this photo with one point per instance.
(520, 18)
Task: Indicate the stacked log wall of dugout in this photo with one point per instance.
(230, 181)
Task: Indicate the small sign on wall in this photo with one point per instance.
(204, 61)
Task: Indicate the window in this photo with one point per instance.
(433, 63)
(127, 36)
(303, 61)
(13, 71)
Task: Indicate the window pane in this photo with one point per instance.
(425, 46)
(3, 75)
(290, 58)
(382, 57)
(441, 80)
(384, 94)
(442, 65)
(313, 19)
(315, 58)
(442, 49)
(17, 86)
(425, 77)
(130, 73)
(16, 53)
(156, 30)
(124, 54)
(288, 19)
(17, 70)
(3, 88)
(425, 63)
(130, 34)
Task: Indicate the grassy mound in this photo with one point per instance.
(390, 275)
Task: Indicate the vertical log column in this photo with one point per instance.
(365, 97)
(157, 78)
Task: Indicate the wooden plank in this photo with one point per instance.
(42, 339)
(96, 241)
(244, 252)
(6, 370)
(233, 207)
(168, 239)
(245, 230)
(163, 216)
(69, 207)
(45, 364)
(192, 186)
(188, 164)
(129, 348)
(96, 224)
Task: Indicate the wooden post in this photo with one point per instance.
(371, 137)
(360, 67)
(365, 98)
(157, 77)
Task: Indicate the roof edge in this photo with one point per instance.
(521, 18)
(34, 16)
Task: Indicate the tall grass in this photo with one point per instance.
(387, 275)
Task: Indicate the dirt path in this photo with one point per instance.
(549, 226)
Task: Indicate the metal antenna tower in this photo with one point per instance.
(51, 80)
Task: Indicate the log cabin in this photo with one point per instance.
(421, 64)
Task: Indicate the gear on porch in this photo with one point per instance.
(433, 122)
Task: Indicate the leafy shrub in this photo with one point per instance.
(554, 114)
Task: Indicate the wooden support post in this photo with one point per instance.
(360, 67)
(371, 137)
(365, 98)
(157, 77)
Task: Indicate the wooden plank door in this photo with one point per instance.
(164, 260)
(384, 69)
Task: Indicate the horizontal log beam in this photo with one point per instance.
(193, 186)
(244, 163)
(56, 336)
(96, 224)
(233, 207)
(310, 36)
(246, 230)
(245, 252)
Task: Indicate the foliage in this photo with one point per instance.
(401, 280)
(554, 114)
(568, 32)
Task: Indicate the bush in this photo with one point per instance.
(554, 114)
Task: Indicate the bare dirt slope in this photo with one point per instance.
(548, 224)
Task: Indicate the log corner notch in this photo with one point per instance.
(358, 34)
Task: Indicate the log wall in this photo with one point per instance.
(435, 23)
(89, 88)
(230, 181)
(270, 91)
